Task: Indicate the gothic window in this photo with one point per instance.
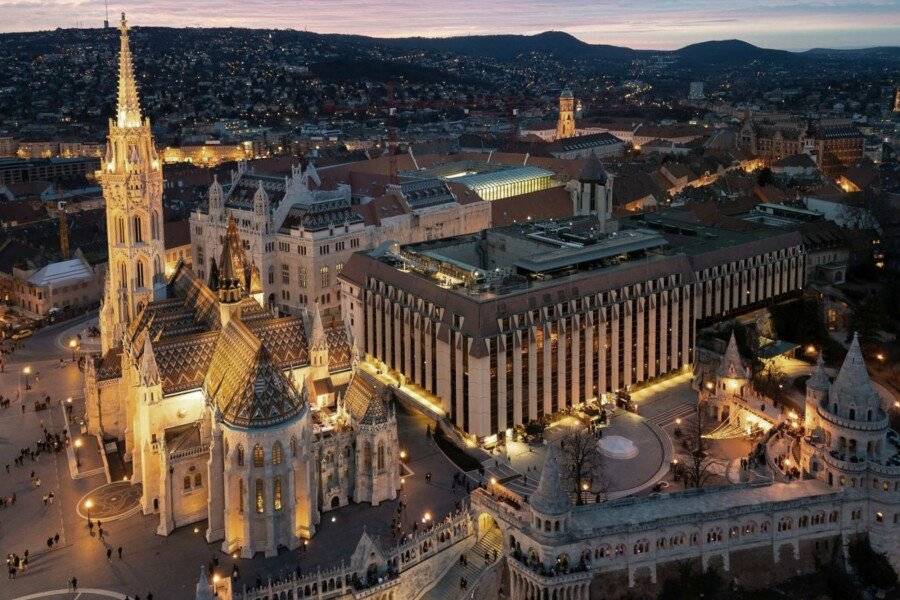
(120, 230)
(293, 446)
(325, 276)
(138, 235)
(276, 494)
(367, 456)
(240, 456)
(157, 266)
(381, 456)
(139, 280)
(187, 482)
(339, 267)
(154, 225)
(301, 277)
(285, 274)
(123, 275)
(241, 495)
(260, 496)
(277, 453)
(271, 275)
(258, 457)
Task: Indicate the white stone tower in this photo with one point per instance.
(132, 182)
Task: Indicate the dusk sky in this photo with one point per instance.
(663, 24)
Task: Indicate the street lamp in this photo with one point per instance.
(26, 371)
(78, 443)
(73, 344)
(89, 504)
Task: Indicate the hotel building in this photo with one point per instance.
(506, 326)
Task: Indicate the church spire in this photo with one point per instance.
(128, 108)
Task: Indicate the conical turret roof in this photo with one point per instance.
(732, 365)
(549, 498)
(819, 379)
(853, 386)
(593, 171)
(245, 385)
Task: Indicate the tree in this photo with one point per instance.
(873, 567)
(697, 469)
(771, 381)
(581, 463)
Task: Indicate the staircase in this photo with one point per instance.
(448, 586)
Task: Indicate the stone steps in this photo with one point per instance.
(448, 586)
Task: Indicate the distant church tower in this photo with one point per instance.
(565, 125)
(132, 182)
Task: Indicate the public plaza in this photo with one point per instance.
(86, 484)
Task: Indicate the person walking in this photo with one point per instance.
(108, 553)
(74, 584)
(119, 551)
(100, 531)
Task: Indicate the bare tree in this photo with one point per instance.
(771, 381)
(581, 463)
(697, 470)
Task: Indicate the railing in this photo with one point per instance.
(840, 461)
(340, 580)
(189, 452)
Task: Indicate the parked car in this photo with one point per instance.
(21, 335)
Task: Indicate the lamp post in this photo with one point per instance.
(89, 504)
(73, 344)
(78, 456)
(26, 371)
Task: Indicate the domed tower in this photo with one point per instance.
(267, 488)
(565, 124)
(550, 504)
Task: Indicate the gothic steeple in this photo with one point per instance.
(128, 108)
(232, 277)
(132, 182)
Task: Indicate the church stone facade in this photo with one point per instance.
(211, 392)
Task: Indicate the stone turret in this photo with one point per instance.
(550, 504)
(852, 395)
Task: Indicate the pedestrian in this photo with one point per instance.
(56, 538)
(108, 553)
(150, 596)
(100, 532)
(49, 543)
(74, 584)
(119, 551)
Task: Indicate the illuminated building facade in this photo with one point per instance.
(228, 413)
(131, 178)
(520, 322)
(300, 236)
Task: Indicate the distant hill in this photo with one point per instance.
(507, 47)
(700, 56)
